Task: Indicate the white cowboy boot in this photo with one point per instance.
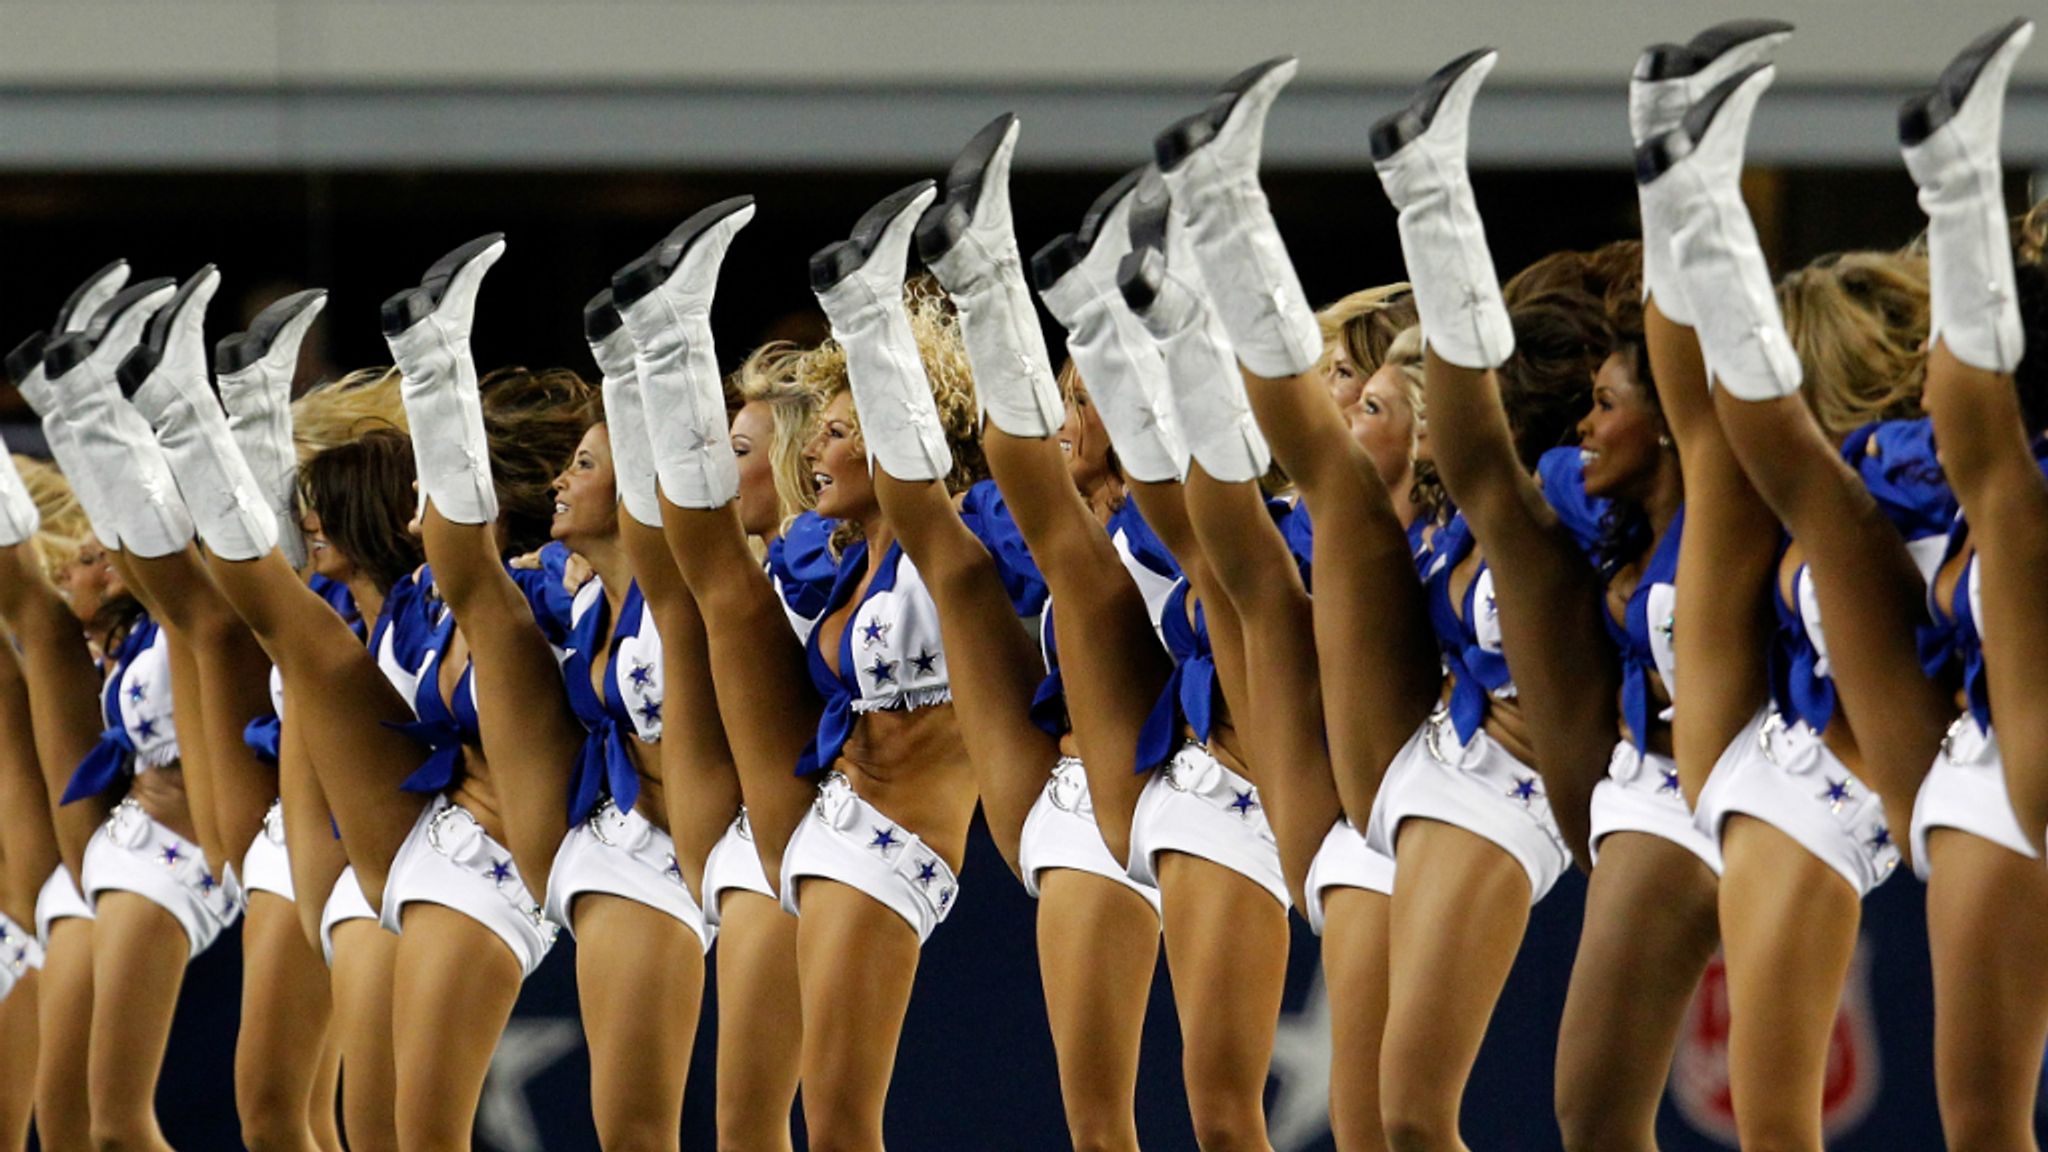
(427, 329)
(1166, 292)
(1211, 164)
(859, 282)
(969, 243)
(254, 371)
(1715, 249)
(1670, 78)
(165, 379)
(25, 367)
(115, 446)
(1950, 138)
(665, 299)
(625, 420)
(1419, 153)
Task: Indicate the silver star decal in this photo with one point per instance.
(504, 1117)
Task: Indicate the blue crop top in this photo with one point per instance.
(1960, 621)
(631, 699)
(263, 734)
(1151, 566)
(890, 654)
(801, 568)
(135, 706)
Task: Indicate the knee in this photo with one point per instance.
(1413, 1128)
(270, 1123)
(1103, 1130)
(110, 1136)
(1227, 1125)
(1587, 1123)
(840, 1127)
(1981, 1124)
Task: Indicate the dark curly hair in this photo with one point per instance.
(362, 492)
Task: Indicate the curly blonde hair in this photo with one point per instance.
(770, 377)
(823, 371)
(336, 412)
(64, 527)
(1859, 322)
(2032, 238)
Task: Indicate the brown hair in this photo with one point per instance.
(1547, 385)
(533, 422)
(362, 492)
(1859, 322)
(337, 411)
(769, 377)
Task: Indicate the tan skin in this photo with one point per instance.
(28, 850)
(63, 683)
(1097, 940)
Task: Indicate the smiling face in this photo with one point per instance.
(839, 464)
(89, 582)
(1343, 377)
(586, 495)
(1382, 420)
(753, 434)
(321, 554)
(1619, 437)
(1085, 441)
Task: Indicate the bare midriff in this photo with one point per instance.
(161, 792)
(913, 766)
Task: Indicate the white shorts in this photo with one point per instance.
(847, 839)
(621, 854)
(1345, 861)
(1478, 786)
(448, 859)
(1196, 806)
(1786, 777)
(60, 899)
(20, 953)
(1060, 832)
(734, 865)
(346, 902)
(1641, 794)
(134, 853)
(267, 867)
(1965, 790)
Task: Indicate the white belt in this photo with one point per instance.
(860, 823)
(454, 833)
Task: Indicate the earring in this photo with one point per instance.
(1664, 440)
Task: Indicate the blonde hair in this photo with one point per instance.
(823, 371)
(64, 526)
(1859, 321)
(769, 377)
(1365, 324)
(2032, 238)
(336, 412)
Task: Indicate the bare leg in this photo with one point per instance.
(1355, 945)
(856, 962)
(1224, 931)
(1111, 659)
(198, 820)
(1789, 923)
(28, 846)
(63, 1113)
(631, 958)
(765, 695)
(63, 691)
(1650, 928)
(365, 959)
(285, 1009)
(317, 856)
(18, 1060)
(1987, 925)
(760, 1025)
(322, 1114)
(138, 956)
(1459, 910)
(1098, 943)
(451, 996)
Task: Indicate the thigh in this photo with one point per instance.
(285, 1010)
(365, 960)
(322, 1114)
(1355, 927)
(1223, 932)
(856, 962)
(452, 993)
(1788, 929)
(1987, 927)
(1098, 944)
(640, 977)
(1460, 906)
(760, 1020)
(64, 1013)
(1650, 927)
(316, 854)
(139, 953)
(18, 1042)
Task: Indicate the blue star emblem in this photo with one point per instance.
(674, 868)
(5, 935)
(172, 854)
(924, 661)
(945, 898)
(876, 632)
(1525, 790)
(138, 691)
(501, 871)
(1836, 794)
(650, 711)
(1670, 781)
(1882, 838)
(1244, 803)
(145, 729)
(927, 872)
(885, 839)
(882, 671)
(641, 674)
(207, 883)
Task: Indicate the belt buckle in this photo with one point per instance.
(435, 828)
(1952, 736)
(743, 825)
(1064, 789)
(1766, 736)
(599, 818)
(1433, 734)
(273, 822)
